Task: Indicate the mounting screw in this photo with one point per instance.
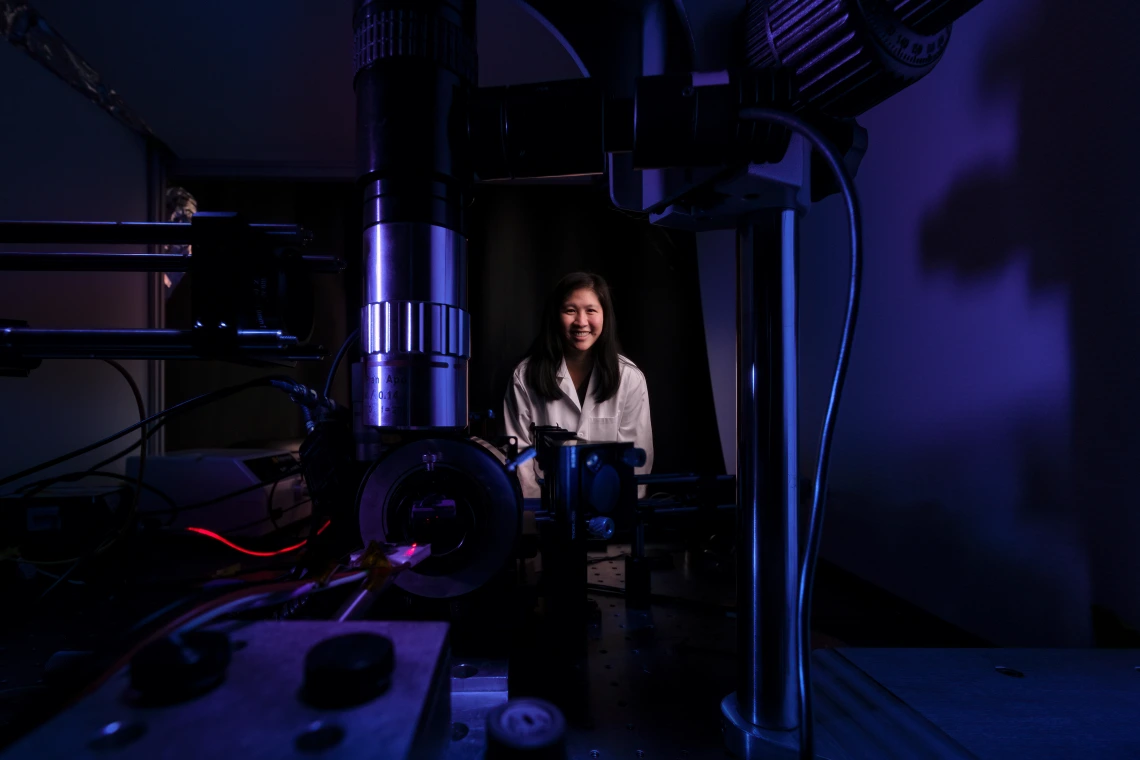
(1011, 672)
(600, 528)
(464, 671)
(117, 734)
(634, 457)
(319, 737)
(430, 460)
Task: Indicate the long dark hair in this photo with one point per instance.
(547, 350)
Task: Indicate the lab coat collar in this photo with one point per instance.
(571, 393)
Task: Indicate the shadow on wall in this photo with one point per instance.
(1069, 197)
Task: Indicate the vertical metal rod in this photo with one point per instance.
(638, 548)
(155, 292)
(767, 471)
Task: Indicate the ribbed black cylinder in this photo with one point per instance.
(415, 63)
(931, 16)
(846, 55)
(434, 33)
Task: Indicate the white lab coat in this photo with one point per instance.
(624, 417)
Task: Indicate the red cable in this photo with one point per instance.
(235, 547)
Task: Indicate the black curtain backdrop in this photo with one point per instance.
(523, 239)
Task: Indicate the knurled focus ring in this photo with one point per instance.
(416, 327)
(412, 34)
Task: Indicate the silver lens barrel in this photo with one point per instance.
(415, 328)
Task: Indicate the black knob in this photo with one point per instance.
(178, 668)
(348, 670)
(526, 728)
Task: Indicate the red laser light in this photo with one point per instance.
(250, 552)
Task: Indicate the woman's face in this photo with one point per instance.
(581, 319)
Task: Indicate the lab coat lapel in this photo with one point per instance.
(588, 406)
(567, 386)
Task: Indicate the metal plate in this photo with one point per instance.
(255, 713)
(1019, 703)
(656, 681)
(477, 687)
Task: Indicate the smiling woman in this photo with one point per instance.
(575, 378)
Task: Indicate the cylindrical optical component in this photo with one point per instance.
(415, 66)
(415, 329)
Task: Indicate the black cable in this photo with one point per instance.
(116, 457)
(102, 546)
(175, 509)
(815, 523)
(100, 465)
(338, 358)
(269, 506)
(255, 523)
(65, 576)
(80, 475)
(150, 431)
(183, 406)
(142, 416)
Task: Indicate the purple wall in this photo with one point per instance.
(953, 463)
(985, 457)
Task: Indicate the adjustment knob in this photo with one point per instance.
(600, 528)
(178, 668)
(526, 728)
(348, 670)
